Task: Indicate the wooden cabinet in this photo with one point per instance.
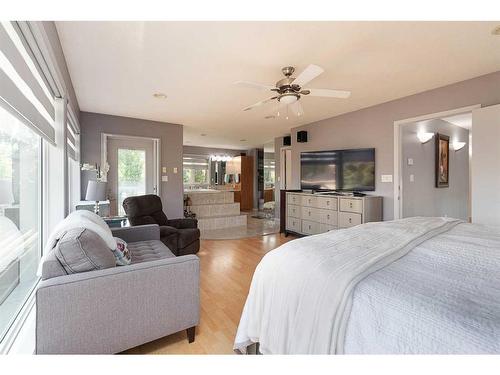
(315, 213)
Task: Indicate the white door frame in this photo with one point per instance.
(156, 153)
(398, 182)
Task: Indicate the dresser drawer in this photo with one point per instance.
(325, 228)
(310, 213)
(294, 199)
(294, 211)
(309, 201)
(293, 224)
(327, 217)
(310, 227)
(327, 203)
(351, 205)
(347, 219)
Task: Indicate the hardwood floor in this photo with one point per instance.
(226, 270)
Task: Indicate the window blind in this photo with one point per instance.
(23, 90)
(195, 161)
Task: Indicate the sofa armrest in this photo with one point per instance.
(138, 233)
(183, 223)
(111, 310)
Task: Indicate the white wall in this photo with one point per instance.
(486, 165)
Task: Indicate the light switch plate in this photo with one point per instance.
(410, 161)
(386, 178)
(163, 169)
(164, 178)
(412, 178)
(175, 170)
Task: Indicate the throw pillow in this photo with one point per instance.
(122, 253)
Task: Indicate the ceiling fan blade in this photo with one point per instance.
(308, 74)
(329, 93)
(259, 103)
(254, 85)
(297, 109)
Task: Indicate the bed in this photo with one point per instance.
(411, 286)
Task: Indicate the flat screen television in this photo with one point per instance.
(341, 170)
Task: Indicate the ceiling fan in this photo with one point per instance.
(289, 90)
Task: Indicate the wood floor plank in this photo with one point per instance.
(226, 270)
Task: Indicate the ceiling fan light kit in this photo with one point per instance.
(289, 90)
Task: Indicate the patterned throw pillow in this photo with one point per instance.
(121, 253)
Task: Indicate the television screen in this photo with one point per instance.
(350, 170)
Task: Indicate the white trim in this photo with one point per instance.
(397, 181)
(156, 154)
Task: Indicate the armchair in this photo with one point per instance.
(181, 236)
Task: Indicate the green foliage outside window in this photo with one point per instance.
(131, 165)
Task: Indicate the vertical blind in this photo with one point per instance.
(23, 90)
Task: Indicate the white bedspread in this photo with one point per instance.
(441, 298)
(301, 293)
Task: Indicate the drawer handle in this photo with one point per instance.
(328, 216)
(350, 205)
(309, 213)
(327, 203)
(309, 227)
(350, 220)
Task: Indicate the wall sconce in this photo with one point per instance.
(424, 137)
(458, 145)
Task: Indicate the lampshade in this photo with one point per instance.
(6, 196)
(96, 191)
(288, 98)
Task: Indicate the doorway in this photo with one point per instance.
(133, 168)
(416, 191)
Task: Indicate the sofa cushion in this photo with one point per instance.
(145, 251)
(187, 236)
(82, 250)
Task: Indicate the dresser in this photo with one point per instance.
(317, 213)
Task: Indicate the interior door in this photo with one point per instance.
(131, 170)
(485, 170)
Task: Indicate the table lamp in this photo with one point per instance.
(96, 191)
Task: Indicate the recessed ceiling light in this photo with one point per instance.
(496, 31)
(243, 140)
(160, 95)
(203, 134)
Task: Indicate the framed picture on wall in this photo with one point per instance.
(442, 160)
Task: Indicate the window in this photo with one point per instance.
(20, 213)
(131, 175)
(195, 170)
(269, 173)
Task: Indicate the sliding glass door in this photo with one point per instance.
(20, 215)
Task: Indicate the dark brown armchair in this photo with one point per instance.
(181, 236)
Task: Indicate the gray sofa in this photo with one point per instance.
(113, 309)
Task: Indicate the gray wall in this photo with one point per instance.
(93, 124)
(374, 126)
(197, 150)
(421, 197)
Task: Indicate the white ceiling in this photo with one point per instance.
(117, 66)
